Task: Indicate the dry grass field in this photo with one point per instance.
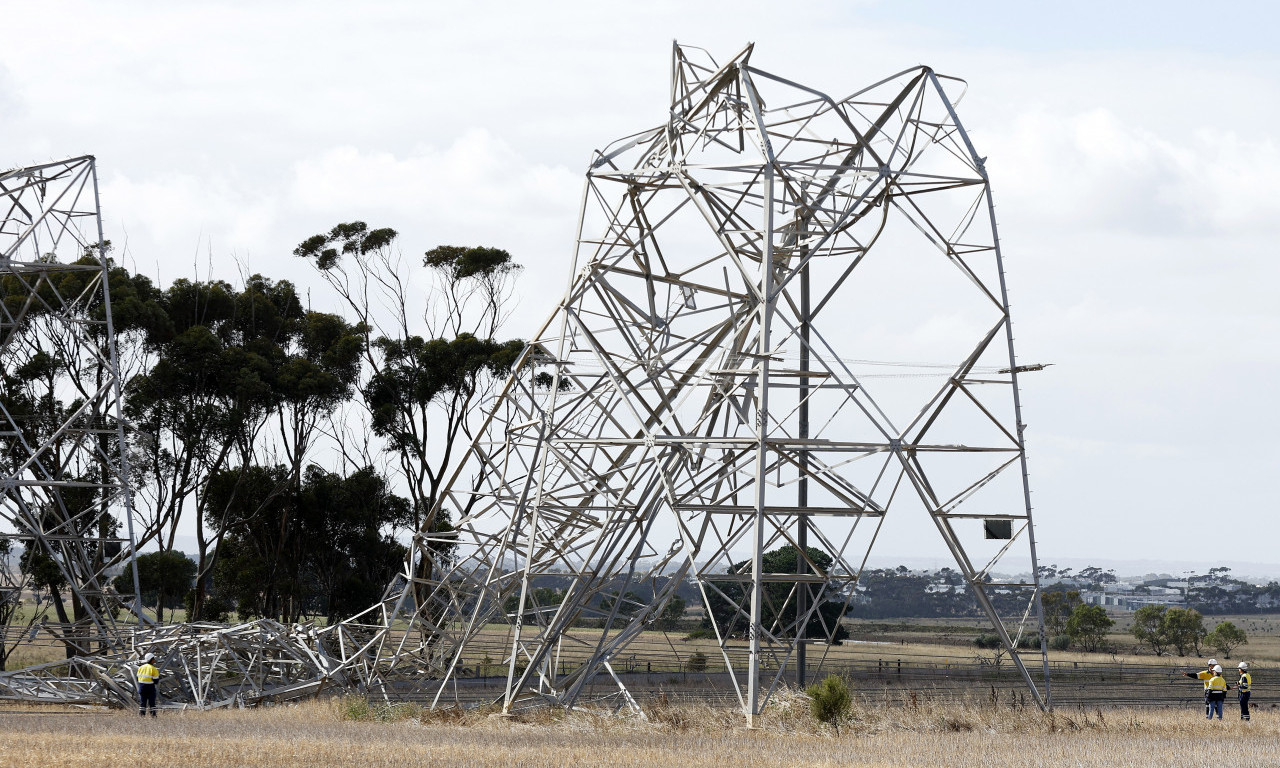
(688, 736)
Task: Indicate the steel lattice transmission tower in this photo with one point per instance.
(713, 388)
(63, 472)
(730, 391)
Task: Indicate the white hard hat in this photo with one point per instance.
(150, 657)
(1217, 670)
(1212, 662)
(1242, 665)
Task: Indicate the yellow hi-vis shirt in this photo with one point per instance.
(1246, 680)
(1216, 683)
(1205, 676)
(147, 674)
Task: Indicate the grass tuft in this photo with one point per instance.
(361, 710)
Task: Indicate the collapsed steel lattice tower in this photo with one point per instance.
(701, 395)
(728, 378)
(63, 473)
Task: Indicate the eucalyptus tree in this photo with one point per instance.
(324, 550)
(354, 516)
(425, 372)
(244, 378)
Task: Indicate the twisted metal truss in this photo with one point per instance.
(64, 490)
(208, 666)
(695, 402)
(205, 665)
(729, 376)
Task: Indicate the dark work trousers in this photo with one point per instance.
(146, 697)
(1244, 705)
(1208, 711)
(1215, 705)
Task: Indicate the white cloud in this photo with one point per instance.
(1091, 169)
(1135, 187)
(178, 216)
(1241, 192)
(10, 103)
(477, 178)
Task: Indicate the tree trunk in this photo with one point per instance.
(59, 608)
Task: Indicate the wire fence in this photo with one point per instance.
(892, 680)
(674, 666)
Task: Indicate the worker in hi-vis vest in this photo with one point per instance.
(1217, 692)
(1204, 677)
(147, 677)
(1245, 688)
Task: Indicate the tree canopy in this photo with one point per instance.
(1164, 628)
(1225, 638)
(1088, 626)
(237, 391)
(729, 603)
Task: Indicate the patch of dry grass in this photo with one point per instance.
(922, 733)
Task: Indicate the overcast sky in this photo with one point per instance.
(1131, 147)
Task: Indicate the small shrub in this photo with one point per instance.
(701, 633)
(697, 662)
(1029, 643)
(987, 641)
(359, 709)
(354, 708)
(830, 701)
(1060, 642)
(394, 713)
